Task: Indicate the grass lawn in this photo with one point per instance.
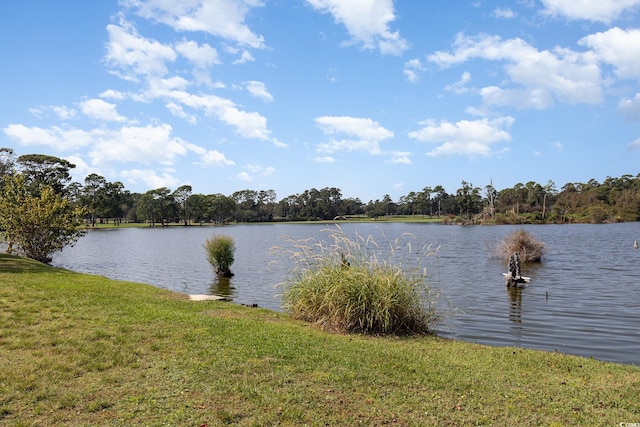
(83, 350)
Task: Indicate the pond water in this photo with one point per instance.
(583, 299)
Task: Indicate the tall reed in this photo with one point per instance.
(352, 285)
(220, 252)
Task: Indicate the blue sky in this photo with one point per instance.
(374, 97)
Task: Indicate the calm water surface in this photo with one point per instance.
(584, 298)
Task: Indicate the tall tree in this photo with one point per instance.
(469, 199)
(198, 207)
(181, 196)
(94, 186)
(549, 193)
(41, 170)
(221, 207)
(491, 195)
(7, 162)
(163, 199)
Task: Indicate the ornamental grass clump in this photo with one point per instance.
(525, 244)
(343, 287)
(220, 251)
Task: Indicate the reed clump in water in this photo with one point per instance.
(524, 243)
(220, 252)
(344, 287)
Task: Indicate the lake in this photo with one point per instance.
(583, 299)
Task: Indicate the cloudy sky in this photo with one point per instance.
(374, 97)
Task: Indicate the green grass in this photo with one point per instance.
(83, 350)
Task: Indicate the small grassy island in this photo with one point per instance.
(78, 349)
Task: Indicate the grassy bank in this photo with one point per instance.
(84, 350)
(390, 218)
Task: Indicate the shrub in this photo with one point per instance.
(343, 288)
(38, 225)
(528, 247)
(220, 253)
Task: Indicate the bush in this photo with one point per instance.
(528, 247)
(344, 289)
(220, 254)
(38, 225)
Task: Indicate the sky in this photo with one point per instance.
(374, 97)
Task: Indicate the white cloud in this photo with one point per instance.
(260, 170)
(202, 56)
(136, 58)
(400, 157)
(60, 111)
(533, 98)
(252, 168)
(137, 144)
(591, 10)
(268, 171)
(101, 110)
(504, 13)
(557, 145)
(134, 55)
(244, 176)
(128, 144)
(221, 18)
(258, 90)
(367, 22)
(159, 88)
(179, 112)
(618, 48)
(635, 145)
(82, 169)
(460, 86)
(540, 76)
(365, 134)
(247, 124)
(412, 70)
(630, 108)
(466, 137)
(150, 178)
(209, 157)
(215, 158)
(112, 94)
(245, 56)
(324, 159)
(60, 139)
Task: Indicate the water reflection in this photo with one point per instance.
(221, 286)
(515, 308)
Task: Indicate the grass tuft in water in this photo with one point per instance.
(345, 286)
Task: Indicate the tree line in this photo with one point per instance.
(613, 200)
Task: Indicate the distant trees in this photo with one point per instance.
(615, 199)
(314, 204)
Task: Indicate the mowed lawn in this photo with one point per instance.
(83, 350)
